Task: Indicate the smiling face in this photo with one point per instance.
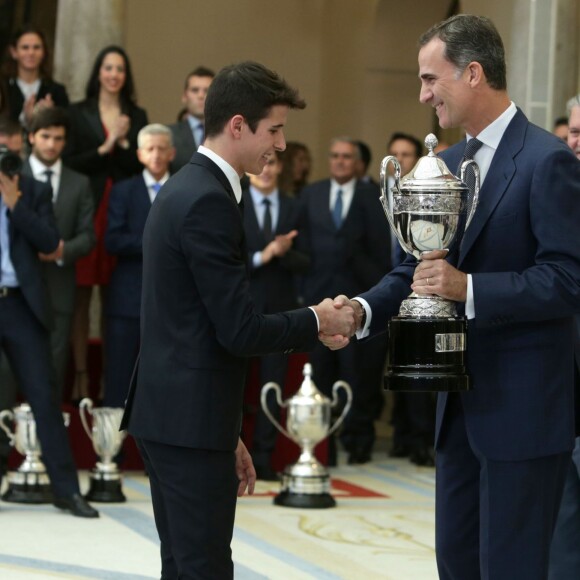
(28, 52)
(112, 73)
(267, 181)
(258, 147)
(443, 87)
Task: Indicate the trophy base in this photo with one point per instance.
(27, 491)
(304, 500)
(105, 490)
(427, 354)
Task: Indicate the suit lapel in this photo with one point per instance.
(91, 114)
(499, 176)
(204, 161)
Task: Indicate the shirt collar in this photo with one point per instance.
(228, 170)
(194, 122)
(347, 188)
(258, 197)
(492, 134)
(38, 168)
(150, 180)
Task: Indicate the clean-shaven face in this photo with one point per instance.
(267, 181)
(112, 73)
(342, 161)
(28, 52)
(156, 153)
(259, 147)
(194, 95)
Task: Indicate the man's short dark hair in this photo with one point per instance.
(9, 127)
(50, 117)
(471, 38)
(364, 153)
(248, 89)
(406, 137)
(200, 71)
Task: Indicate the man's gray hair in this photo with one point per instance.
(573, 102)
(154, 129)
(350, 140)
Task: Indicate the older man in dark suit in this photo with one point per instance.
(502, 449)
(188, 134)
(199, 325)
(26, 228)
(129, 207)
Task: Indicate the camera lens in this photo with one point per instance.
(10, 163)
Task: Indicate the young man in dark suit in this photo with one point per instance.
(189, 133)
(72, 201)
(27, 227)
(129, 207)
(199, 325)
(270, 221)
(503, 448)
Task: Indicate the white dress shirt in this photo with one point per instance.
(150, 181)
(39, 173)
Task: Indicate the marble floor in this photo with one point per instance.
(382, 528)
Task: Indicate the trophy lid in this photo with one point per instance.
(431, 173)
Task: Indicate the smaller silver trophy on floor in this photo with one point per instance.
(105, 478)
(306, 484)
(30, 482)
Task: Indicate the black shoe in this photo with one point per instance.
(423, 456)
(266, 473)
(77, 505)
(358, 457)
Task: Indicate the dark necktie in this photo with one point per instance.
(267, 224)
(337, 209)
(200, 133)
(48, 173)
(471, 148)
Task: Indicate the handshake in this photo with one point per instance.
(339, 319)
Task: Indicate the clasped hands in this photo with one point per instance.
(433, 275)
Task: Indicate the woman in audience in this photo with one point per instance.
(27, 68)
(103, 145)
(297, 163)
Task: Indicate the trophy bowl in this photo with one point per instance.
(105, 478)
(429, 209)
(30, 482)
(306, 483)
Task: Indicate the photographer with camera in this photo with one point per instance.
(27, 227)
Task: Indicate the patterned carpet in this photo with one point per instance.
(382, 528)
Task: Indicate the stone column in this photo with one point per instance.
(543, 60)
(82, 29)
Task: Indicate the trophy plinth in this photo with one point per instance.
(306, 484)
(30, 482)
(427, 340)
(106, 482)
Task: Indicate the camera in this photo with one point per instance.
(10, 162)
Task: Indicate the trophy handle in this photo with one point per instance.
(475, 200)
(264, 402)
(86, 403)
(383, 180)
(346, 409)
(4, 427)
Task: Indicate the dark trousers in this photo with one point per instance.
(122, 348)
(272, 368)
(60, 347)
(194, 502)
(413, 420)
(494, 520)
(25, 342)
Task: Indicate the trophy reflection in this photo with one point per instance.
(30, 482)
(105, 478)
(306, 484)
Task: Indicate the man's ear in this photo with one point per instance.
(236, 124)
(475, 74)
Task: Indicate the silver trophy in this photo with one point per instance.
(428, 212)
(105, 478)
(306, 484)
(30, 482)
